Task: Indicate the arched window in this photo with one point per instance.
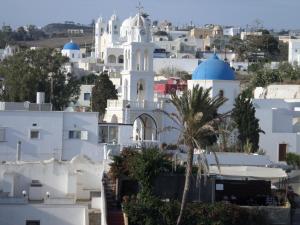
(138, 60)
(140, 90)
(146, 61)
(114, 119)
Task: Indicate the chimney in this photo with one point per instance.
(40, 97)
(18, 156)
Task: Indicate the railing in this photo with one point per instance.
(134, 104)
(13, 200)
(146, 143)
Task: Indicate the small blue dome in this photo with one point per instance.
(213, 69)
(71, 46)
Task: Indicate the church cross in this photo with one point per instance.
(140, 7)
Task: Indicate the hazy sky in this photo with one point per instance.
(274, 13)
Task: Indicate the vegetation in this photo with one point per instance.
(9, 36)
(30, 71)
(173, 72)
(225, 130)
(154, 212)
(243, 115)
(259, 48)
(262, 75)
(197, 121)
(103, 90)
(146, 208)
(293, 159)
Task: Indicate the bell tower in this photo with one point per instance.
(137, 74)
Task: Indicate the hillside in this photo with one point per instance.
(59, 42)
(62, 28)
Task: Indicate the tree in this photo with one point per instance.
(30, 71)
(243, 115)
(103, 90)
(197, 120)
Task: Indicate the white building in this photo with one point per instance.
(35, 135)
(50, 192)
(84, 100)
(294, 51)
(231, 31)
(10, 50)
(245, 34)
(277, 108)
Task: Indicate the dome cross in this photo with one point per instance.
(140, 7)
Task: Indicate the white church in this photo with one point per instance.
(132, 117)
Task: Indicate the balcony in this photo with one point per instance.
(134, 104)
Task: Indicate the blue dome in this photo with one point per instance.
(71, 46)
(213, 69)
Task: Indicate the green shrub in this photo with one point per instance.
(155, 212)
(293, 159)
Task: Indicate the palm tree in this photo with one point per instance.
(196, 119)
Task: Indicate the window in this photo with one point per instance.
(33, 222)
(282, 152)
(221, 93)
(2, 134)
(87, 96)
(74, 134)
(108, 134)
(34, 134)
(78, 134)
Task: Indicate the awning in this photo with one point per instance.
(249, 171)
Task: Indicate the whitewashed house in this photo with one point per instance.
(294, 51)
(39, 135)
(51, 192)
(278, 110)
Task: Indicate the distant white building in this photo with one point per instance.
(84, 100)
(231, 31)
(245, 34)
(278, 110)
(10, 50)
(294, 51)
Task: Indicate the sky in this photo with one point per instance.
(276, 14)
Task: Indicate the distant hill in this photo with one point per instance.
(55, 29)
